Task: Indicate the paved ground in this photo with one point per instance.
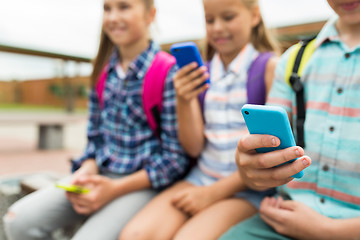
(20, 158)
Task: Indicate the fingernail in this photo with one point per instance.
(273, 142)
(297, 153)
(305, 162)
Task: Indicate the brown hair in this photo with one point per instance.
(260, 37)
(106, 47)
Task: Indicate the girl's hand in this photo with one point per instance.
(88, 167)
(193, 199)
(102, 191)
(187, 81)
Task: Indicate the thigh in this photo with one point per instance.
(159, 219)
(212, 222)
(108, 222)
(40, 212)
(252, 228)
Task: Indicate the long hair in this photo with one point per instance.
(260, 36)
(106, 47)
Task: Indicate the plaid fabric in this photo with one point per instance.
(119, 137)
(332, 127)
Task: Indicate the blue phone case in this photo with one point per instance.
(273, 121)
(185, 53)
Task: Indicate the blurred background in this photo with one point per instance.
(46, 49)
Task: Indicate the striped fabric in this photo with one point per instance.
(332, 128)
(224, 122)
(120, 138)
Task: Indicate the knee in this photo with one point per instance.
(16, 228)
(131, 232)
(136, 232)
(12, 225)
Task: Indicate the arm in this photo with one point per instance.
(190, 120)
(227, 187)
(194, 199)
(95, 137)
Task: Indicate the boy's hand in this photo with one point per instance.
(101, 192)
(258, 170)
(293, 219)
(193, 199)
(187, 80)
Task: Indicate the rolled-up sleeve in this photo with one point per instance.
(94, 135)
(170, 163)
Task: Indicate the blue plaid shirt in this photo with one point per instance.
(119, 137)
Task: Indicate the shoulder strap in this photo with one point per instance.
(100, 85)
(297, 60)
(255, 86)
(153, 88)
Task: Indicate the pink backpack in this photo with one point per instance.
(153, 87)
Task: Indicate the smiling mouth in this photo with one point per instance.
(221, 40)
(350, 6)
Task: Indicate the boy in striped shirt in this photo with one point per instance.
(326, 201)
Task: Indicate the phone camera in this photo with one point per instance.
(246, 112)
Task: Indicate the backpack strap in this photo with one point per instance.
(255, 85)
(100, 85)
(153, 88)
(297, 60)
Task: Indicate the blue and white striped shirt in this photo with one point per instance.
(224, 123)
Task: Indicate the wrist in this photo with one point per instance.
(214, 193)
(89, 166)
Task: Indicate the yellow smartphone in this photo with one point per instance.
(72, 188)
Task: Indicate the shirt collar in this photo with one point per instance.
(239, 64)
(140, 64)
(328, 33)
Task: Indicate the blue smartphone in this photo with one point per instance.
(271, 120)
(185, 53)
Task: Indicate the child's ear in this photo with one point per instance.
(151, 15)
(256, 16)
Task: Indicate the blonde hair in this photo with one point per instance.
(106, 47)
(260, 36)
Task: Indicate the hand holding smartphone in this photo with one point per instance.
(270, 120)
(185, 53)
(73, 188)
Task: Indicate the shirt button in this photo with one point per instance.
(347, 55)
(322, 200)
(331, 129)
(340, 90)
(325, 168)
